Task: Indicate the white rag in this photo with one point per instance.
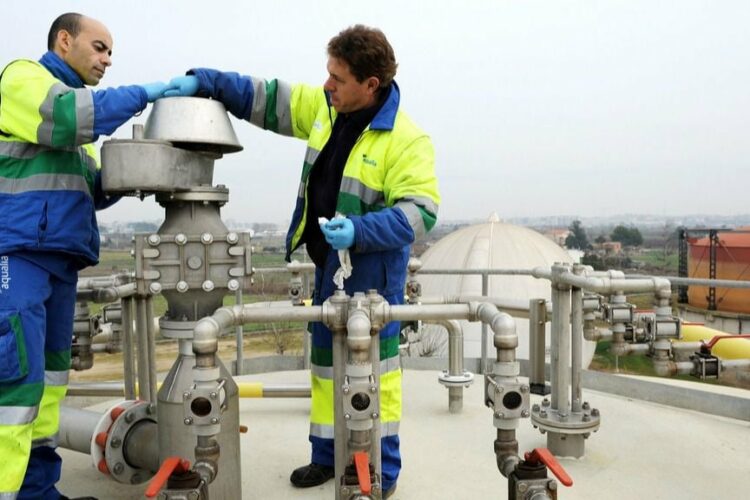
(345, 270)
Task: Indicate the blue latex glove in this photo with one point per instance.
(155, 90)
(339, 233)
(182, 86)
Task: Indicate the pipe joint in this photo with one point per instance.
(358, 332)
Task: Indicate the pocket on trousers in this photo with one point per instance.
(13, 360)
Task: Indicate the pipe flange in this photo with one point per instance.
(463, 380)
(219, 194)
(551, 420)
(123, 419)
(176, 329)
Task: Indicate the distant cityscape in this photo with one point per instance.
(643, 221)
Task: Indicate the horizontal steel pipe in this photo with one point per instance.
(246, 390)
(517, 308)
(696, 281)
(506, 272)
(428, 312)
(76, 428)
(735, 364)
(606, 285)
(292, 267)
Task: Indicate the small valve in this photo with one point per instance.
(172, 465)
(542, 455)
(362, 464)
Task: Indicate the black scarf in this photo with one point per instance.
(325, 177)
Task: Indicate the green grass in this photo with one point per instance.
(656, 259)
(604, 360)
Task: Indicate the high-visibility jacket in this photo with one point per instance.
(49, 188)
(389, 192)
(49, 184)
(391, 166)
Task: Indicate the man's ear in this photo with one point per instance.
(64, 41)
(373, 84)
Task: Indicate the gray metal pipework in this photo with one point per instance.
(106, 294)
(144, 378)
(360, 379)
(619, 347)
(505, 369)
(128, 359)
(576, 345)
(696, 281)
(734, 364)
(668, 368)
(560, 348)
(608, 285)
(206, 374)
(516, 308)
(141, 449)
(506, 451)
(455, 362)
(538, 317)
(504, 329)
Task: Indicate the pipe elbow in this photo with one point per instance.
(358, 331)
(505, 332)
(414, 265)
(620, 349)
(541, 272)
(206, 336)
(665, 368)
(663, 287)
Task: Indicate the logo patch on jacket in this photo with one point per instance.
(317, 125)
(369, 161)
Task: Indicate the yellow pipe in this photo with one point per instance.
(245, 389)
(725, 349)
(250, 389)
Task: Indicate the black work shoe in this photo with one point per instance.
(311, 475)
(63, 497)
(389, 492)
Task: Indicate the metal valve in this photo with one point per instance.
(529, 479)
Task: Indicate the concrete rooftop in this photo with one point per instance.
(642, 450)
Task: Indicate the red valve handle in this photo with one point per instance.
(170, 465)
(717, 338)
(362, 463)
(544, 456)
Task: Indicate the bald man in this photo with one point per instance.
(50, 188)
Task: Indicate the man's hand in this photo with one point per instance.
(339, 233)
(155, 90)
(182, 86)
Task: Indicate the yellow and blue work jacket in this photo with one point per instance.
(389, 192)
(388, 189)
(49, 170)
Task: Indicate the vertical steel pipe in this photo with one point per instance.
(576, 332)
(144, 384)
(128, 359)
(537, 330)
(148, 305)
(485, 331)
(338, 348)
(560, 341)
(240, 361)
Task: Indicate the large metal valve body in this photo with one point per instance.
(193, 260)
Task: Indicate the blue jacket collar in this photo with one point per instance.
(61, 70)
(387, 115)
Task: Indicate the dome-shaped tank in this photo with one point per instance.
(494, 244)
(732, 263)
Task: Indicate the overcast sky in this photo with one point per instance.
(535, 107)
